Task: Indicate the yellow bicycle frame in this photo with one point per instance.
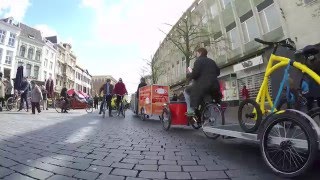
(276, 62)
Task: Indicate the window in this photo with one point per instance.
(36, 72)
(234, 38)
(270, 18)
(57, 81)
(38, 55)
(1, 52)
(22, 50)
(250, 29)
(45, 75)
(225, 3)
(51, 65)
(45, 63)
(47, 51)
(12, 39)
(60, 83)
(309, 1)
(204, 19)
(2, 36)
(30, 53)
(51, 55)
(9, 57)
(28, 70)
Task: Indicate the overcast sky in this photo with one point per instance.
(109, 37)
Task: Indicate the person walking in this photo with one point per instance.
(2, 92)
(45, 98)
(96, 101)
(24, 90)
(36, 97)
(245, 93)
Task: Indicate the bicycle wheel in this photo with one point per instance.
(211, 116)
(58, 105)
(289, 144)
(104, 109)
(142, 114)
(10, 104)
(89, 108)
(315, 115)
(249, 110)
(165, 119)
(123, 110)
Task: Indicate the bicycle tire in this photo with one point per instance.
(10, 103)
(271, 156)
(57, 105)
(314, 113)
(89, 108)
(165, 112)
(215, 123)
(257, 115)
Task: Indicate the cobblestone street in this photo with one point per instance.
(78, 145)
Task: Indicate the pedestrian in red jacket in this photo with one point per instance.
(120, 90)
(245, 93)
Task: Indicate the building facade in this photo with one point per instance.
(98, 81)
(83, 80)
(234, 24)
(65, 67)
(9, 32)
(48, 60)
(29, 52)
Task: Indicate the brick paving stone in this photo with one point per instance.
(166, 157)
(124, 172)
(215, 167)
(146, 167)
(189, 158)
(7, 162)
(99, 169)
(178, 175)
(113, 159)
(22, 168)
(153, 157)
(122, 165)
(5, 171)
(82, 160)
(65, 171)
(131, 178)
(87, 175)
(96, 156)
(17, 176)
(168, 168)
(126, 148)
(141, 149)
(110, 177)
(102, 163)
(78, 166)
(39, 174)
(79, 155)
(187, 162)
(134, 156)
(206, 162)
(167, 162)
(248, 178)
(152, 174)
(132, 152)
(208, 175)
(238, 173)
(60, 177)
(133, 161)
(193, 168)
(148, 162)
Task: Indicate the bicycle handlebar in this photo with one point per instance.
(284, 43)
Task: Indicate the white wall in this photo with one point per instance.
(49, 54)
(300, 22)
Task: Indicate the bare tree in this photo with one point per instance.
(154, 69)
(189, 34)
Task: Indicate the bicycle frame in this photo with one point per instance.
(280, 61)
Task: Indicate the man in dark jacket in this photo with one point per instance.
(205, 80)
(142, 84)
(107, 90)
(64, 94)
(24, 90)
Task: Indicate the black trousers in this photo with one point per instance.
(119, 98)
(24, 97)
(310, 101)
(96, 104)
(35, 105)
(108, 100)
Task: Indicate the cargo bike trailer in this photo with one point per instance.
(288, 139)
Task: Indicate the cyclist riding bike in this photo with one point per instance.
(107, 90)
(120, 90)
(205, 82)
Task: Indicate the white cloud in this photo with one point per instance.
(46, 30)
(128, 23)
(14, 8)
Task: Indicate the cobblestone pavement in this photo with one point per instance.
(78, 145)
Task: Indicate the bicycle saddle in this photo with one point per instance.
(309, 50)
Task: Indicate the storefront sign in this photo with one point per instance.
(247, 64)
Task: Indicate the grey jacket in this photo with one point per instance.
(36, 94)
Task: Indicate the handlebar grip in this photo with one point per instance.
(263, 42)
